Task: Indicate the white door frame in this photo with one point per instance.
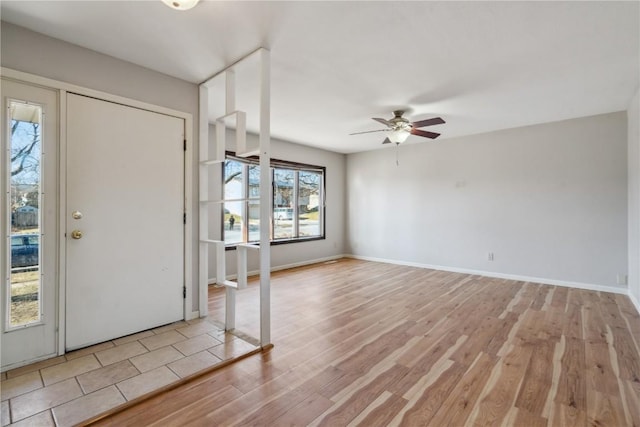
(63, 88)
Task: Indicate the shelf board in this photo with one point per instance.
(211, 162)
(248, 246)
(229, 284)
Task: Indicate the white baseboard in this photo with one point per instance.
(579, 285)
(193, 315)
(212, 281)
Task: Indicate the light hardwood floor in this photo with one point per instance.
(370, 344)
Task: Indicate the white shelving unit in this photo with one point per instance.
(236, 119)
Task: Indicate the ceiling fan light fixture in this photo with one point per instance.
(181, 4)
(398, 136)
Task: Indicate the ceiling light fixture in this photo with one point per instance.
(181, 4)
(399, 135)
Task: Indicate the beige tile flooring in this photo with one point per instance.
(72, 388)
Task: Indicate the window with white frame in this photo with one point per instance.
(297, 205)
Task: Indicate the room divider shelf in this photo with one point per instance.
(235, 120)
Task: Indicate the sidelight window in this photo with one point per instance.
(24, 305)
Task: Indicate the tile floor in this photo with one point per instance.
(72, 388)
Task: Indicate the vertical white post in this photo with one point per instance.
(230, 293)
(242, 266)
(265, 197)
(203, 174)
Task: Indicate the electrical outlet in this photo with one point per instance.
(621, 279)
(490, 256)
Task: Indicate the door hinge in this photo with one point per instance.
(184, 292)
(184, 144)
(184, 218)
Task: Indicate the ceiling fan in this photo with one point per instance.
(400, 128)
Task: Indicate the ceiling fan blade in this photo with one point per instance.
(370, 131)
(428, 122)
(383, 121)
(424, 133)
(386, 141)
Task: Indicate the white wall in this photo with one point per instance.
(34, 53)
(297, 253)
(550, 201)
(633, 117)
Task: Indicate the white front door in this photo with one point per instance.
(29, 223)
(124, 220)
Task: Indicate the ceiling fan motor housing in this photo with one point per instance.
(400, 122)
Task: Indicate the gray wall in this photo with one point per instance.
(633, 115)
(550, 201)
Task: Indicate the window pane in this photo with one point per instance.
(233, 223)
(233, 179)
(254, 182)
(25, 148)
(233, 189)
(254, 221)
(283, 194)
(309, 209)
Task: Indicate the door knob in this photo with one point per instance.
(76, 234)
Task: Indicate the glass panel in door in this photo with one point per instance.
(25, 149)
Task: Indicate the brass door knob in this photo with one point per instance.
(76, 234)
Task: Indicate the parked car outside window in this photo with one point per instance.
(25, 250)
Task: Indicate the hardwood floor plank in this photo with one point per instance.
(604, 410)
(380, 414)
(303, 394)
(559, 300)
(573, 319)
(572, 384)
(627, 354)
(594, 327)
(423, 406)
(348, 409)
(500, 391)
(501, 333)
(600, 374)
(365, 357)
(541, 297)
(568, 416)
(468, 351)
(525, 418)
(536, 383)
(365, 343)
(631, 402)
(305, 412)
(460, 402)
(427, 370)
(612, 316)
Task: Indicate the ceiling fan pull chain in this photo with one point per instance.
(397, 150)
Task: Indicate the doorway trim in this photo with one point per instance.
(63, 88)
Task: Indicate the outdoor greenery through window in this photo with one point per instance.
(297, 207)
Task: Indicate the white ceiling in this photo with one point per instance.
(481, 66)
